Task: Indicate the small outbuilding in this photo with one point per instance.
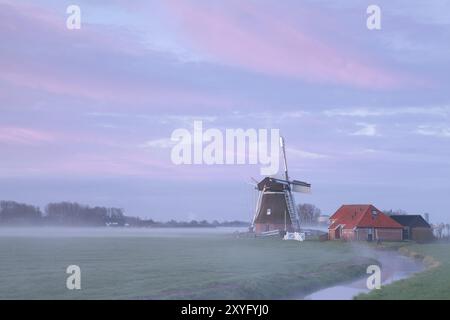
(415, 227)
(363, 222)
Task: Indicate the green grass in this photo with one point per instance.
(193, 267)
(434, 283)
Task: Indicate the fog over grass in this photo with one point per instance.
(168, 264)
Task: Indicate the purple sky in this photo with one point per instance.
(86, 115)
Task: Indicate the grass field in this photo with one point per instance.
(433, 283)
(156, 266)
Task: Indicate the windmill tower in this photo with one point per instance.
(275, 208)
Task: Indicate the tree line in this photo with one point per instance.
(60, 213)
(65, 213)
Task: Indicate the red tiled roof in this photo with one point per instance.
(347, 209)
(362, 216)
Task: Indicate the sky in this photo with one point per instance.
(87, 114)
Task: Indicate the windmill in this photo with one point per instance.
(275, 208)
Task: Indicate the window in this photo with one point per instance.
(374, 214)
(269, 212)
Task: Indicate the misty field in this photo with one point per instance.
(168, 264)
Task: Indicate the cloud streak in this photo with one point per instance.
(442, 111)
(23, 136)
(367, 129)
(440, 131)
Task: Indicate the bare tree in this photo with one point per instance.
(439, 228)
(309, 213)
(391, 212)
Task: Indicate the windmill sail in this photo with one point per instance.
(300, 186)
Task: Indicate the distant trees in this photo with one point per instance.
(75, 214)
(391, 212)
(80, 215)
(15, 213)
(234, 223)
(192, 224)
(61, 213)
(309, 213)
(439, 229)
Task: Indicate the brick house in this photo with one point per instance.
(363, 222)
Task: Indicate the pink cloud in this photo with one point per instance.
(245, 35)
(95, 62)
(23, 136)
